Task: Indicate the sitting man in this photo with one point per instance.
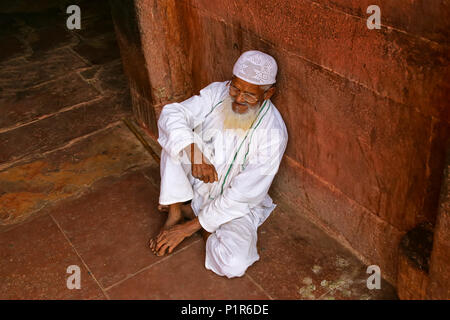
(221, 150)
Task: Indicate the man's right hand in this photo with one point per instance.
(201, 168)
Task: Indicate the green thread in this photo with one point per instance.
(213, 108)
(248, 147)
(235, 155)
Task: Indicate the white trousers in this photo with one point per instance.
(231, 249)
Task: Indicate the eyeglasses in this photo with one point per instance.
(248, 97)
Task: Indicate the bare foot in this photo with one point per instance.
(174, 217)
(186, 210)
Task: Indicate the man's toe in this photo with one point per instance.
(152, 244)
(163, 249)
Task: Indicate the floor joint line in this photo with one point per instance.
(259, 286)
(151, 265)
(81, 258)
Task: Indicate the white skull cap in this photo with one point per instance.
(256, 67)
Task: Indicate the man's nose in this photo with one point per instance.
(239, 98)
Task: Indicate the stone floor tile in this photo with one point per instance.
(111, 78)
(50, 37)
(90, 73)
(183, 276)
(107, 78)
(153, 174)
(33, 261)
(299, 261)
(30, 104)
(67, 173)
(18, 75)
(95, 26)
(111, 227)
(99, 50)
(354, 287)
(55, 131)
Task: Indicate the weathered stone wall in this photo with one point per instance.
(150, 38)
(367, 110)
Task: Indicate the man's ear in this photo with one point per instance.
(269, 93)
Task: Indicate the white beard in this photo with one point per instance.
(237, 121)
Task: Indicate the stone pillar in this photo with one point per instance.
(414, 263)
(150, 36)
(424, 258)
(439, 287)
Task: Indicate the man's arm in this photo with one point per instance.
(177, 120)
(248, 187)
(201, 167)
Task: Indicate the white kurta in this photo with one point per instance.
(235, 206)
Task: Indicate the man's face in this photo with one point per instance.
(245, 95)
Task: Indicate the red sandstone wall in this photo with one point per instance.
(367, 110)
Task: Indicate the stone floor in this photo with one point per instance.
(78, 188)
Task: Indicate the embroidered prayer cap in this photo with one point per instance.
(256, 67)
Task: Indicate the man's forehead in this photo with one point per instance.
(244, 84)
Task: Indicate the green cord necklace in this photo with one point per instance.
(236, 153)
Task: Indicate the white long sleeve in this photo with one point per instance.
(248, 187)
(177, 120)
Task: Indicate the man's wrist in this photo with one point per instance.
(193, 226)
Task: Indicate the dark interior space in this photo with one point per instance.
(57, 84)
